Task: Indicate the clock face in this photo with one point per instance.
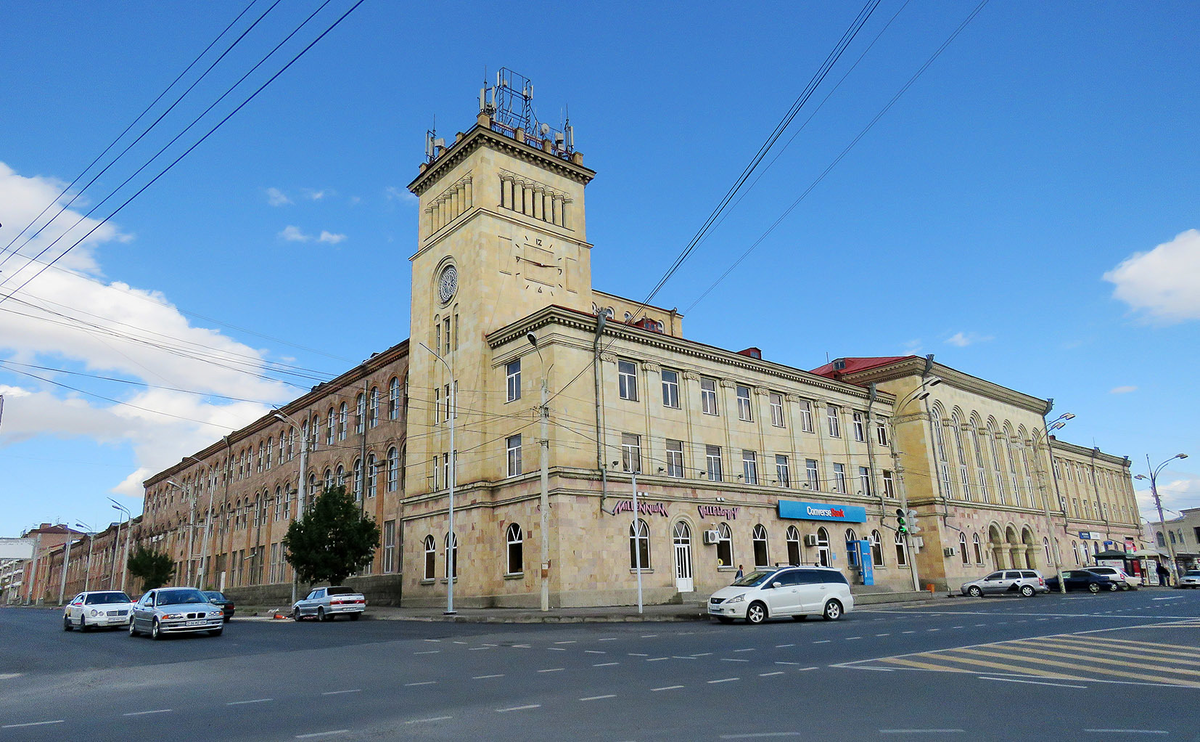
(447, 283)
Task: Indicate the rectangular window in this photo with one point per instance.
(513, 445)
(864, 481)
(708, 396)
(456, 330)
(881, 433)
(627, 380)
(839, 478)
(860, 427)
(513, 372)
(782, 475)
(889, 486)
(835, 430)
(810, 470)
(712, 457)
(631, 452)
(437, 335)
(446, 333)
(437, 470)
(674, 458)
(777, 409)
(389, 546)
(806, 417)
(360, 414)
(448, 398)
(437, 404)
(743, 403)
(750, 467)
(670, 388)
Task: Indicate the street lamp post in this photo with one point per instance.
(637, 532)
(451, 566)
(1162, 526)
(300, 484)
(62, 583)
(125, 555)
(87, 574)
(191, 496)
(544, 498)
(920, 393)
(1055, 424)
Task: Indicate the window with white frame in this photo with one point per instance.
(889, 485)
(759, 541)
(358, 479)
(793, 545)
(1001, 493)
(964, 557)
(724, 545)
(373, 413)
(639, 545)
(708, 396)
(782, 474)
(823, 554)
(881, 432)
(513, 447)
(851, 547)
(437, 472)
(877, 548)
(961, 452)
(860, 427)
(864, 481)
(371, 475)
(806, 416)
(674, 458)
(340, 476)
(839, 478)
(389, 546)
(631, 452)
(270, 453)
(831, 416)
(901, 551)
(670, 388)
(341, 422)
(812, 473)
(515, 563)
(750, 467)
(712, 457)
(451, 542)
(777, 418)
(743, 403)
(513, 379)
(430, 547)
(393, 408)
(360, 413)
(393, 469)
(627, 380)
(977, 547)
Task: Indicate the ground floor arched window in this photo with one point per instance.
(760, 546)
(901, 551)
(451, 556)
(724, 545)
(822, 547)
(978, 547)
(430, 557)
(793, 545)
(639, 545)
(851, 547)
(876, 548)
(963, 554)
(516, 550)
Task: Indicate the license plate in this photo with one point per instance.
(196, 623)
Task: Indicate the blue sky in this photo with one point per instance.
(1050, 146)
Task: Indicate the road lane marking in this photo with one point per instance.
(852, 638)
(486, 677)
(666, 687)
(476, 649)
(1137, 652)
(702, 654)
(432, 651)
(557, 649)
(330, 733)
(599, 698)
(781, 662)
(458, 642)
(758, 735)
(1111, 640)
(10, 675)
(607, 639)
(145, 713)
(649, 636)
(340, 692)
(781, 646)
(723, 680)
(572, 641)
(823, 641)
(769, 674)
(883, 635)
(751, 649)
(522, 646)
(34, 724)
(243, 703)
(733, 659)
(553, 669)
(435, 641)
(426, 682)
(922, 731)
(1084, 668)
(638, 654)
(432, 718)
(902, 632)
(681, 657)
(594, 651)
(1127, 731)
(605, 664)
(519, 708)
(657, 659)
(1032, 682)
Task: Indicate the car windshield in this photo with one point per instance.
(213, 595)
(1192, 573)
(177, 597)
(755, 578)
(102, 598)
(339, 591)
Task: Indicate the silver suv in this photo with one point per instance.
(1025, 582)
(1117, 575)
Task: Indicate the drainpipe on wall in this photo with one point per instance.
(601, 321)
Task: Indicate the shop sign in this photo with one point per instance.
(821, 511)
(718, 511)
(644, 508)
(1091, 535)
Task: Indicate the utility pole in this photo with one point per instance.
(637, 532)
(451, 566)
(300, 484)
(544, 499)
(1162, 525)
(62, 584)
(1058, 422)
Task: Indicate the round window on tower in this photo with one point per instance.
(447, 283)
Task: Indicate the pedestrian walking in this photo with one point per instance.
(739, 574)
(1164, 576)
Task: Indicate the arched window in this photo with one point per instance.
(901, 551)
(760, 546)
(393, 404)
(278, 503)
(341, 475)
(371, 475)
(393, 469)
(939, 440)
(312, 488)
(877, 548)
(851, 547)
(724, 546)
(793, 545)
(430, 557)
(329, 423)
(1075, 552)
(962, 548)
(516, 548)
(373, 413)
(961, 453)
(978, 549)
(980, 471)
(822, 547)
(1046, 546)
(358, 480)
(270, 448)
(451, 556)
(997, 469)
(341, 422)
(639, 545)
(360, 413)
(304, 439)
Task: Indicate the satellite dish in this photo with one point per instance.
(545, 129)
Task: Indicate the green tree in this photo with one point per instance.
(154, 567)
(333, 539)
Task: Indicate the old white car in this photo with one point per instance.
(175, 610)
(101, 608)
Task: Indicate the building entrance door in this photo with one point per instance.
(682, 537)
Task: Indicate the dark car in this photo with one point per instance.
(1081, 579)
(219, 598)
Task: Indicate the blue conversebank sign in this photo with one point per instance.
(821, 511)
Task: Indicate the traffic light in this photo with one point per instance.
(901, 521)
(914, 528)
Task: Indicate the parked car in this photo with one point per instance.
(788, 591)
(326, 603)
(1027, 582)
(175, 610)
(97, 609)
(1082, 579)
(218, 598)
(1116, 574)
(1191, 579)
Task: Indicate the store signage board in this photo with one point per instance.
(796, 510)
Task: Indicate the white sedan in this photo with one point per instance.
(97, 609)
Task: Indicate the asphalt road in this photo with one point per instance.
(1119, 666)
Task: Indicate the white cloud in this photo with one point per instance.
(276, 197)
(913, 347)
(963, 339)
(403, 195)
(35, 408)
(1122, 389)
(1177, 493)
(314, 195)
(292, 233)
(1163, 284)
(331, 238)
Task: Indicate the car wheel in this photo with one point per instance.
(132, 629)
(155, 631)
(228, 619)
(296, 615)
(321, 614)
(756, 613)
(1027, 591)
(974, 591)
(66, 622)
(833, 611)
(1113, 587)
(83, 622)
(724, 619)
(1093, 588)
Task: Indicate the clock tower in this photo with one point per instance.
(502, 234)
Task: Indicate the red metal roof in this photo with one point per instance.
(853, 365)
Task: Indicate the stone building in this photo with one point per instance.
(1179, 535)
(95, 561)
(739, 460)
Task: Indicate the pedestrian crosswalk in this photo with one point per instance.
(1090, 656)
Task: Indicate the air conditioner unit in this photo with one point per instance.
(948, 551)
(712, 537)
(810, 539)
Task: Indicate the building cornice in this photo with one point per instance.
(916, 366)
(1088, 453)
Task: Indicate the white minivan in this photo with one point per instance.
(773, 592)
